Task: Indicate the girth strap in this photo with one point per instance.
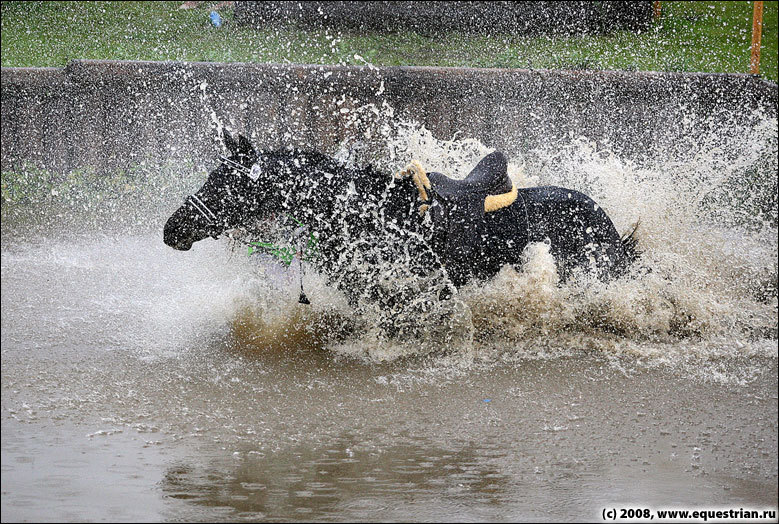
(495, 202)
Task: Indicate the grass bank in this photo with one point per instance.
(690, 36)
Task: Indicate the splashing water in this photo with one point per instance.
(705, 287)
(703, 293)
(206, 356)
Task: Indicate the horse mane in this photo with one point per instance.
(372, 186)
(367, 224)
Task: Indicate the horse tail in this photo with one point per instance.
(630, 245)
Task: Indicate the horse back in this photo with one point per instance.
(555, 212)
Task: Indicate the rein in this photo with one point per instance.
(285, 254)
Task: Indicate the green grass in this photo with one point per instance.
(35, 199)
(86, 187)
(690, 36)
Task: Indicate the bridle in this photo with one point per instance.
(254, 173)
(201, 206)
(236, 166)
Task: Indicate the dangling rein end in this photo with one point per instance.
(287, 254)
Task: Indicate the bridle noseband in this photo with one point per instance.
(201, 207)
(254, 173)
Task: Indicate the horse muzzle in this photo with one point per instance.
(174, 237)
(183, 229)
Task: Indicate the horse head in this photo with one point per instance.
(234, 193)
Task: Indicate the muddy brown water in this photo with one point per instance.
(144, 384)
(100, 422)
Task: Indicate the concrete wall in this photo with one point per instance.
(113, 115)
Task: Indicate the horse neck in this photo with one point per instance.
(325, 191)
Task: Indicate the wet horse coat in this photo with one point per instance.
(377, 233)
(488, 223)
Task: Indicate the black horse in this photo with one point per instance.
(403, 239)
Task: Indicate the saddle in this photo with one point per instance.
(488, 181)
(464, 203)
(489, 178)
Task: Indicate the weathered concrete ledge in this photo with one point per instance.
(115, 114)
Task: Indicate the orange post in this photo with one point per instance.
(657, 9)
(757, 31)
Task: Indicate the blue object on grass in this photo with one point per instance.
(215, 19)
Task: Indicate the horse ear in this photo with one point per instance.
(229, 142)
(246, 149)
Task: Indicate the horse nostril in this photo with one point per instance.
(172, 237)
(169, 234)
